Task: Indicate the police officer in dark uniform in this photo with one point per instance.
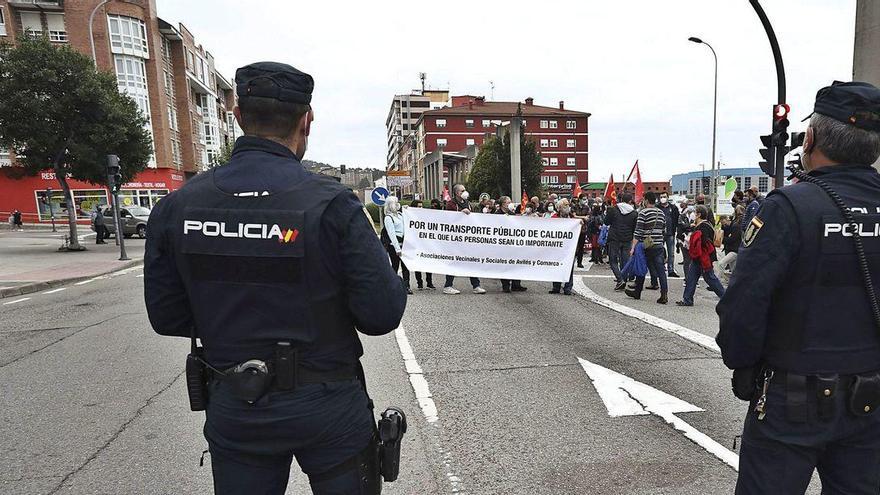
(274, 269)
(799, 322)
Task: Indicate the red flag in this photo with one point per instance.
(610, 193)
(446, 196)
(525, 201)
(640, 187)
(577, 190)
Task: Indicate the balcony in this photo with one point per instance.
(47, 5)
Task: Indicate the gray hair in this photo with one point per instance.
(703, 211)
(844, 143)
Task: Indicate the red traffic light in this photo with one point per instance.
(780, 111)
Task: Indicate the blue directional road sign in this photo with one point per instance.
(380, 194)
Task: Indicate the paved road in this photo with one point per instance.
(94, 402)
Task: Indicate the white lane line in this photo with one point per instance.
(84, 282)
(54, 291)
(416, 377)
(139, 276)
(598, 276)
(23, 299)
(686, 333)
(426, 402)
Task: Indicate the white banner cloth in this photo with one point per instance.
(490, 246)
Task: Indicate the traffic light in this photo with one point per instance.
(780, 124)
(768, 166)
(114, 176)
(705, 184)
(342, 169)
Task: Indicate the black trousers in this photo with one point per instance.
(320, 425)
(428, 279)
(778, 455)
(579, 251)
(397, 263)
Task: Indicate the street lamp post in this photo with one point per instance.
(713, 189)
(91, 33)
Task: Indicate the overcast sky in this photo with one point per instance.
(628, 62)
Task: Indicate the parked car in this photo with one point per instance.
(133, 218)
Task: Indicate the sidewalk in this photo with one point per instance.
(32, 262)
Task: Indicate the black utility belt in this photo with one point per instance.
(863, 393)
(253, 378)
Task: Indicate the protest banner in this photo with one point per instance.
(489, 246)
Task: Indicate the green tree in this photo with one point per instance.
(224, 156)
(59, 114)
(491, 170)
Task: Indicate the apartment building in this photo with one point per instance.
(403, 116)
(446, 140)
(170, 76)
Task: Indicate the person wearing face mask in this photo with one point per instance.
(392, 235)
(800, 321)
(549, 210)
(506, 207)
(459, 202)
(565, 211)
(581, 209)
(671, 213)
(274, 270)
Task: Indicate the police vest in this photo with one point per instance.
(820, 320)
(255, 273)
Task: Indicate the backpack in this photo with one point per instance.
(603, 235)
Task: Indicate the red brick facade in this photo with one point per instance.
(561, 135)
(176, 119)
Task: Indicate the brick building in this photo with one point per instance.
(172, 79)
(446, 141)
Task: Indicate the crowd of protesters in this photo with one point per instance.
(621, 233)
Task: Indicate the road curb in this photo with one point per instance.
(51, 284)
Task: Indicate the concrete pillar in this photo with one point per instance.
(866, 62)
(515, 162)
(439, 166)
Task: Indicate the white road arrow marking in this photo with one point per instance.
(624, 396)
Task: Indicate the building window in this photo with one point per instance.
(172, 117)
(5, 159)
(545, 179)
(544, 124)
(168, 83)
(131, 77)
(570, 161)
(31, 24)
(469, 123)
(554, 179)
(545, 161)
(441, 142)
(441, 123)
(554, 143)
(748, 183)
(545, 143)
(487, 123)
(57, 31)
(571, 179)
(469, 142)
(554, 124)
(763, 184)
(128, 36)
(2, 22)
(554, 162)
(739, 184)
(570, 143)
(175, 151)
(570, 124)
(189, 60)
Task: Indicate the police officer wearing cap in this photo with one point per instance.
(798, 322)
(274, 269)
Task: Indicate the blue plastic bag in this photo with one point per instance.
(637, 266)
(603, 235)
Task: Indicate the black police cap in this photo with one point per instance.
(274, 80)
(854, 103)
